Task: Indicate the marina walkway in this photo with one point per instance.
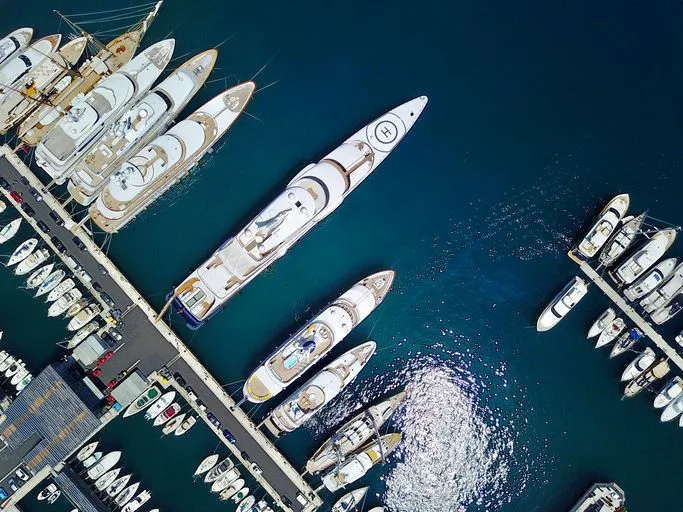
(658, 340)
(149, 344)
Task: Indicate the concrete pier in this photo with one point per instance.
(149, 345)
(642, 324)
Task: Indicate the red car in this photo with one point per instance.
(16, 196)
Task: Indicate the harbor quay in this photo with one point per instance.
(39, 436)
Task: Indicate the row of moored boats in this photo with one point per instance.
(101, 126)
(163, 411)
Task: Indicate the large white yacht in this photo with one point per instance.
(317, 338)
(665, 292)
(108, 60)
(644, 257)
(599, 233)
(319, 390)
(87, 120)
(651, 280)
(138, 125)
(13, 43)
(160, 164)
(562, 304)
(314, 193)
(12, 73)
(42, 82)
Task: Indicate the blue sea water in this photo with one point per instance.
(539, 112)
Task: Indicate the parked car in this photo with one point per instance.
(101, 268)
(191, 393)
(22, 475)
(286, 501)
(13, 484)
(115, 334)
(5, 184)
(24, 180)
(201, 405)
(245, 456)
(55, 217)
(107, 299)
(179, 379)
(36, 195)
(228, 435)
(3, 494)
(16, 196)
(43, 227)
(256, 468)
(97, 287)
(28, 210)
(58, 244)
(214, 421)
(79, 243)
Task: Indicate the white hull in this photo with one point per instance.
(159, 405)
(603, 321)
(83, 317)
(217, 471)
(668, 310)
(51, 282)
(646, 256)
(32, 262)
(105, 464)
(313, 194)
(625, 342)
(671, 391)
(606, 224)
(350, 500)
(60, 289)
(39, 276)
(621, 240)
(665, 292)
(651, 280)
(13, 43)
(638, 365)
(146, 399)
(127, 494)
(10, 230)
(22, 252)
(18, 67)
(206, 464)
(118, 485)
(610, 333)
(61, 305)
(673, 410)
(562, 304)
(87, 451)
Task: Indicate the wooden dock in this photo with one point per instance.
(642, 324)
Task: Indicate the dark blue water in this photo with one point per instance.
(539, 112)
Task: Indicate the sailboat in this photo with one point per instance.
(9, 230)
(350, 500)
(147, 398)
(51, 282)
(87, 451)
(205, 465)
(38, 276)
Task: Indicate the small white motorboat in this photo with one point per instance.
(64, 302)
(159, 405)
(147, 398)
(84, 316)
(673, 410)
(38, 276)
(641, 363)
(127, 494)
(610, 332)
(622, 239)
(103, 465)
(19, 376)
(217, 471)
(9, 361)
(626, 341)
(14, 368)
(51, 282)
(54, 496)
(87, 451)
(669, 393)
(206, 464)
(7, 232)
(246, 504)
(76, 307)
(599, 233)
(651, 280)
(45, 493)
(60, 289)
(24, 382)
(232, 489)
(562, 304)
(22, 252)
(603, 321)
(168, 413)
(31, 262)
(173, 424)
(92, 459)
(225, 480)
(668, 310)
(185, 426)
(644, 257)
(137, 502)
(240, 495)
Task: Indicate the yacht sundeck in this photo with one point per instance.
(562, 304)
(599, 233)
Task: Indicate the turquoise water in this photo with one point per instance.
(539, 112)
